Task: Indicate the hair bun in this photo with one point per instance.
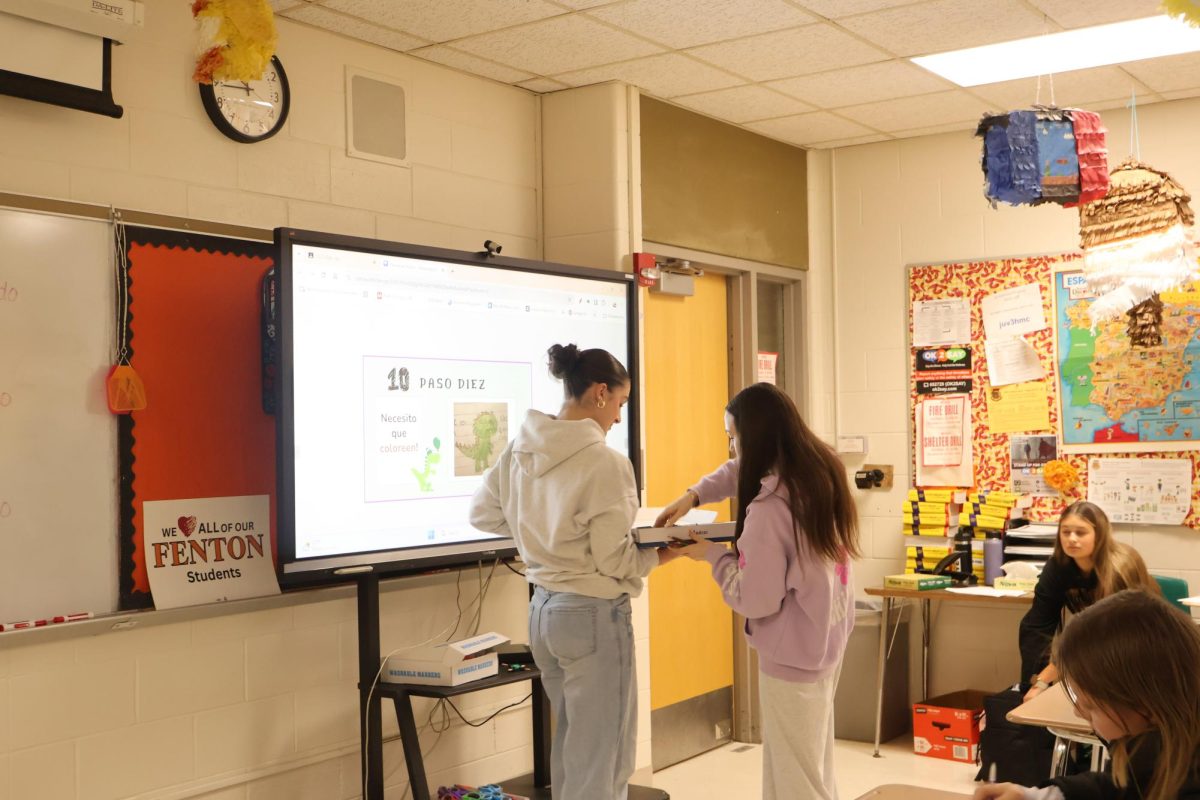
(563, 359)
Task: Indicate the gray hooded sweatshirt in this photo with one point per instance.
(569, 501)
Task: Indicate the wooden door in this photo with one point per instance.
(686, 374)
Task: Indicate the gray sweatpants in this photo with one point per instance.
(797, 738)
(584, 648)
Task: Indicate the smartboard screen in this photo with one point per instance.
(405, 371)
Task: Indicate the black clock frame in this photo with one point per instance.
(209, 98)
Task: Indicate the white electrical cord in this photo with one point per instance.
(448, 631)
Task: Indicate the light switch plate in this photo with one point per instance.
(852, 445)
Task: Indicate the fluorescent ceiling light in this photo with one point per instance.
(1062, 52)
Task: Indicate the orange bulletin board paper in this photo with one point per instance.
(975, 280)
(194, 320)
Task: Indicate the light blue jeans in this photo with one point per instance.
(584, 648)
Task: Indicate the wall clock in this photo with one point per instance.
(249, 111)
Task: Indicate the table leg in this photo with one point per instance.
(1058, 761)
(541, 736)
(411, 743)
(925, 633)
(881, 669)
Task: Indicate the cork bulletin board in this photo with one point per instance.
(975, 280)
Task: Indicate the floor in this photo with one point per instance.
(732, 772)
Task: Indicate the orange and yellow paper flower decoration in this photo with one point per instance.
(1060, 476)
(237, 39)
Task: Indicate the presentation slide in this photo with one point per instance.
(410, 377)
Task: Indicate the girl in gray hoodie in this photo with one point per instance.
(569, 502)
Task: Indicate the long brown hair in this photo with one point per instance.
(1134, 651)
(1117, 565)
(774, 439)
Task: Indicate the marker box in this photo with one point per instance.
(660, 537)
(447, 664)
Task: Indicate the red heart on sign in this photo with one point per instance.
(187, 525)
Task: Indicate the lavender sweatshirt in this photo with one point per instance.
(799, 607)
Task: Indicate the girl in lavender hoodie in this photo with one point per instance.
(788, 575)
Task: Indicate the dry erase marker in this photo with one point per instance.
(72, 617)
(20, 626)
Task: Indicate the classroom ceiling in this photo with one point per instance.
(813, 73)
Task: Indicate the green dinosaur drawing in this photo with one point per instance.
(432, 457)
(485, 429)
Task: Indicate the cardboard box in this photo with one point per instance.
(948, 726)
(916, 581)
(658, 537)
(447, 664)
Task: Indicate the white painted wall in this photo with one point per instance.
(263, 705)
(918, 201)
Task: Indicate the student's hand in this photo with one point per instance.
(698, 549)
(1033, 692)
(685, 503)
(1000, 791)
(667, 555)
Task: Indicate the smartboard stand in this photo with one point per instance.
(535, 786)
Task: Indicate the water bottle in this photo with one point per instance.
(993, 557)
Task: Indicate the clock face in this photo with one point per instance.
(249, 111)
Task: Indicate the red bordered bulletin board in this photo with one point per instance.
(195, 337)
(974, 280)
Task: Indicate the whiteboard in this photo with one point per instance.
(58, 441)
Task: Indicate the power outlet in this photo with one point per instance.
(887, 471)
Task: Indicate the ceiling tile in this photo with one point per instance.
(1076, 89)
(844, 8)
(805, 129)
(1167, 74)
(884, 80)
(543, 85)
(922, 111)
(554, 46)
(965, 131)
(1074, 14)
(443, 21)
(354, 27)
(1183, 94)
(857, 140)
(783, 54)
(582, 4)
(943, 25)
(469, 63)
(664, 76)
(686, 23)
(744, 103)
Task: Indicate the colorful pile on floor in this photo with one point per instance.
(492, 791)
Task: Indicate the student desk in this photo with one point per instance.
(1053, 710)
(897, 791)
(890, 598)
(1191, 601)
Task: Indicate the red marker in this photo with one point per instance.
(73, 617)
(19, 626)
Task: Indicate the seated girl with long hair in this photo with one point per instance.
(1131, 665)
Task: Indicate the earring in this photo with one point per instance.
(600, 404)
